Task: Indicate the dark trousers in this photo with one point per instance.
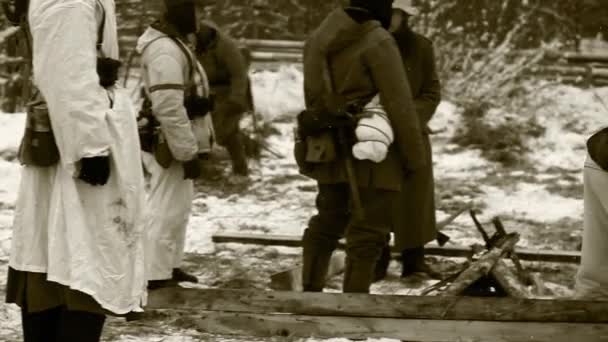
(228, 134)
(364, 238)
(60, 325)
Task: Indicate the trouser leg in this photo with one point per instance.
(40, 326)
(365, 240)
(168, 211)
(79, 326)
(236, 148)
(321, 237)
(228, 134)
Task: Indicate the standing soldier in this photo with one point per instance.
(349, 60)
(592, 276)
(177, 90)
(226, 69)
(415, 223)
(77, 250)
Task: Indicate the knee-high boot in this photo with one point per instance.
(358, 275)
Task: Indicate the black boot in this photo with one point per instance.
(412, 262)
(358, 276)
(160, 284)
(382, 264)
(180, 276)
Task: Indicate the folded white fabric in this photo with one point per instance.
(374, 133)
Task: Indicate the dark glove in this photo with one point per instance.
(192, 169)
(95, 170)
(107, 69)
(198, 106)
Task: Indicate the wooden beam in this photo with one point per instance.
(452, 251)
(380, 306)
(295, 326)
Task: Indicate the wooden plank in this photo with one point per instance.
(293, 326)
(273, 44)
(452, 251)
(585, 58)
(380, 306)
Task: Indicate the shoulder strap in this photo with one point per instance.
(334, 100)
(101, 28)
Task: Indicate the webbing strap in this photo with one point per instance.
(166, 86)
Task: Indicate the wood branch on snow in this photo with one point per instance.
(509, 281)
(380, 306)
(482, 266)
(7, 33)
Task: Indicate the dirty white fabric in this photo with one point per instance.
(592, 278)
(165, 64)
(170, 198)
(374, 133)
(88, 238)
(168, 210)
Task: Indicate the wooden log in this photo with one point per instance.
(481, 267)
(274, 44)
(509, 281)
(380, 306)
(291, 280)
(294, 326)
(585, 58)
(275, 56)
(431, 249)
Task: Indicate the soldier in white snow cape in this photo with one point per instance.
(77, 248)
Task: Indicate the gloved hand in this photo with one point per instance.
(192, 169)
(107, 70)
(95, 170)
(198, 106)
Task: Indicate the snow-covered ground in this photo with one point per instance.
(542, 202)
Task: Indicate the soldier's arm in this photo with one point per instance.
(65, 71)
(166, 91)
(230, 53)
(430, 93)
(386, 69)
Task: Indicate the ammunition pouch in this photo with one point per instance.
(107, 70)
(198, 106)
(317, 137)
(38, 146)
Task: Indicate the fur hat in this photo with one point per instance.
(407, 6)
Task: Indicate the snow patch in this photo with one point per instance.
(11, 130)
(278, 94)
(530, 201)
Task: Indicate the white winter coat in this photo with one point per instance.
(164, 64)
(85, 237)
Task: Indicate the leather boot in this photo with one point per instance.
(382, 264)
(180, 275)
(412, 262)
(314, 270)
(358, 276)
